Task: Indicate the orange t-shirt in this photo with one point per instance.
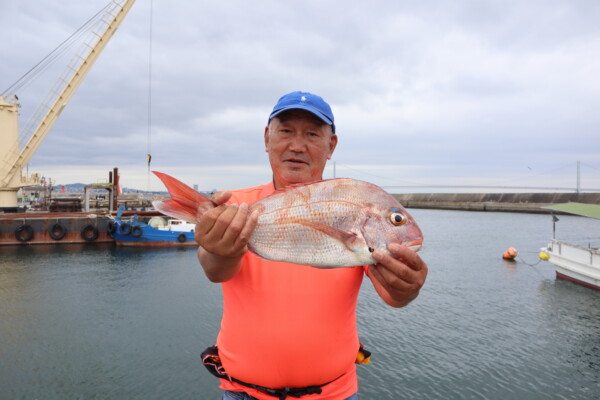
(288, 325)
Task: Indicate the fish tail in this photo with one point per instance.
(185, 201)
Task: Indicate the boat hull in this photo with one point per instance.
(575, 263)
(134, 234)
(43, 228)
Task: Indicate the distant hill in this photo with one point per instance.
(79, 187)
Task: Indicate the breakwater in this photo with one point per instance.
(506, 202)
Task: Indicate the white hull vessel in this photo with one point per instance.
(575, 263)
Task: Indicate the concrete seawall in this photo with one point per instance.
(507, 202)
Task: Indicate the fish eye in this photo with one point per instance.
(398, 218)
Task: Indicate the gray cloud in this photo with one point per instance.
(432, 92)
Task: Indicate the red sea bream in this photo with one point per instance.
(330, 223)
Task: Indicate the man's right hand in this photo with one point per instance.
(223, 233)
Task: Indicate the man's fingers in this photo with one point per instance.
(246, 232)
(221, 197)
(223, 221)
(226, 229)
(212, 224)
(408, 256)
(403, 266)
(235, 225)
(394, 273)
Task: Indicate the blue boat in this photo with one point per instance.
(159, 231)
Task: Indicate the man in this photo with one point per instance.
(284, 325)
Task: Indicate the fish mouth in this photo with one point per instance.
(414, 245)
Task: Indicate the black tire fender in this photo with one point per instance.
(89, 233)
(57, 231)
(136, 231)
(24, 233)
(125, 228)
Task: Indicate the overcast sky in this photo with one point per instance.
(460, 92)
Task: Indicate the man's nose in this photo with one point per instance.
(297, 143)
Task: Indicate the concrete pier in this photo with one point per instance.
(507, 202)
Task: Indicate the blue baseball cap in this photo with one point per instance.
(305, 101)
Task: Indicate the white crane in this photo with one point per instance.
(16, 149)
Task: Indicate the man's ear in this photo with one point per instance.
(267, 138)
(332, 144)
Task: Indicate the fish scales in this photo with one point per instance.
(281, 233)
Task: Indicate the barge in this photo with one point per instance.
(32, 228)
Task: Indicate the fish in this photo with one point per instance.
(330, 223)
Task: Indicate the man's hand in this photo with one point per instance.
(398, 277)
(223, 233)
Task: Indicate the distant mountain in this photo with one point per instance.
(79, 187)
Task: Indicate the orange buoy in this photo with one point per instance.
(510, 254)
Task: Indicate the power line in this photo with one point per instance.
(590, 166)
(149, 139)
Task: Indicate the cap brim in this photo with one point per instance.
(312, 110)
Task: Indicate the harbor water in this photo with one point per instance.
(96, 321)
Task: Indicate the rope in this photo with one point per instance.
(533, 266)
(525, 262)
(149, 139)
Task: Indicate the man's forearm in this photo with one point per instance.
(218, 268)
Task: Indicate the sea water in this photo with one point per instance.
(102, 322)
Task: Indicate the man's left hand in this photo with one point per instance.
(399, 276)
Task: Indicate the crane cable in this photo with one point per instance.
(58, 51)
(149, 138)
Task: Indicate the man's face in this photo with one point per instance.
(299, 145)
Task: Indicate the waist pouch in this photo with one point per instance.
(212, 362)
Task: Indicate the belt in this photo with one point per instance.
(212, 362)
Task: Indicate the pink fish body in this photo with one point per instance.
(330, 223)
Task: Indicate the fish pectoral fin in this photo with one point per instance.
(350, 239)
(353, 241)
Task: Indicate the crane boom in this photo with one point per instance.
(15, 158)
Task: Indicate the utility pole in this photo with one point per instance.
(578, 176)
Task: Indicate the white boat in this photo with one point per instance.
(174, 225)
(572, 262)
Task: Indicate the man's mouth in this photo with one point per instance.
(296, 161)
